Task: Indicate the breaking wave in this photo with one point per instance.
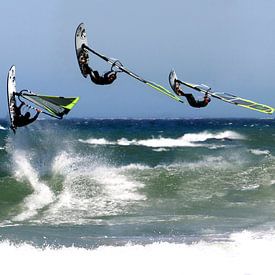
(243, 253)
(41, 195)
(187, 140)
(259, 152)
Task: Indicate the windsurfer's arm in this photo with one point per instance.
(18, 109)
(110, 77)
(35, 116)
(21, 105)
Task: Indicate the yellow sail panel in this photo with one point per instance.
(246, 103)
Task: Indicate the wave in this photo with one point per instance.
(95, 141)
(3, 128)
(187, 140)
(75, 189)
(160, 150)
(243, 253)
(259, 152)
(42, 194)
(212, 162)
(90, 188)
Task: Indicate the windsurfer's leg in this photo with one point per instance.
(191, 100)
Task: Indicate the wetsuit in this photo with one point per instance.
(190, 98)
(102, 80)
(195, 103)
(97, 78)
(21, 120)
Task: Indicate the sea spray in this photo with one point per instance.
(41, 196)
(91, 188)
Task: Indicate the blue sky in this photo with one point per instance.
(228, 45)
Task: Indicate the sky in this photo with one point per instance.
(228, 45)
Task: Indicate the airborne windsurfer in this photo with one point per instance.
(106, 79)
(21, 120)
(190, 98)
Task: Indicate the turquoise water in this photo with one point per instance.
(167, 187)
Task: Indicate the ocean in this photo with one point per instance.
(123, 196)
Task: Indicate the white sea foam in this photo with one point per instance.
(160, 150)
(187, 140)
(244, 253)
(259, 152)
(209, 162)
(41, 196)
(203, 136)
(92, 188)
(135, 166)
(96, 141)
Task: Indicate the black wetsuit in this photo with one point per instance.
(195, 103)
(21, 120)
(102, 80)
(97, 78)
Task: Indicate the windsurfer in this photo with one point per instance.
(190, 98)
(105, 79)
(21, 120)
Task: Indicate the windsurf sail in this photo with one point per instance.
(229, 98)
(55, 106)
(116, 64)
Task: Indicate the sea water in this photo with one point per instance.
(83, 196)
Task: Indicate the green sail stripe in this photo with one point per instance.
(71, 105)
(48, 106)
(164, 91)
(261, 108)
(52, 104)
(246, 103)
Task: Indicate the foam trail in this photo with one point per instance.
(42, 194)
